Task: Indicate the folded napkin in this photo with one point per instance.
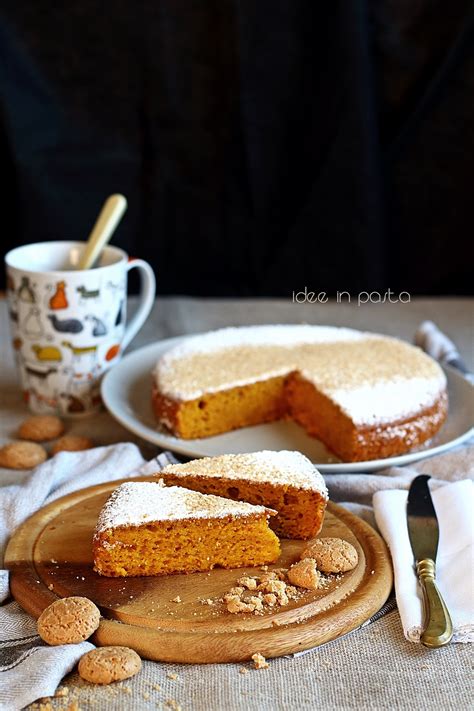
(440, 347)
(30, 669)
(453, 504)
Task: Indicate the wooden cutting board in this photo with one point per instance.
(50, 557)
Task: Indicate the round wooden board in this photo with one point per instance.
(50, 557)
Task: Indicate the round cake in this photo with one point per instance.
(366, 396)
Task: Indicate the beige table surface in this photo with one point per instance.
(372, 668)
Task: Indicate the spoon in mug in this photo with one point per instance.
(105, 225)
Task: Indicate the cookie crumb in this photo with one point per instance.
(256, 602)
(247, 582)
(305, 574)
(259, 661)
(243, 670)
(173, 704)
(234, 604)
(270, 599)
(172, 675)
(176, 599)
(275, 586)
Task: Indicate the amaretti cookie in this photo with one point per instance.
(22, 455)
(332, 555)
(69, 620)
(41, 428)
(285, 481)
(107, 664)
(72, 443)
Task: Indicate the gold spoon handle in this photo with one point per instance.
(105, 225)
(438, 626)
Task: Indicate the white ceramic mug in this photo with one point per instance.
(69, 326)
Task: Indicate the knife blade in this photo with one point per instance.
(423, 532)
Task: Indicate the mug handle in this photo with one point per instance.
(147, 297)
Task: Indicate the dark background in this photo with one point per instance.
(262, 145)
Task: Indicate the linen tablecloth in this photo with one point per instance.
(374, 667)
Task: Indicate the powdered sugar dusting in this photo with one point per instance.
(383, 402)
(139, 503)
(277, 335)
(374, 379)
(230, 357)
(284, 467)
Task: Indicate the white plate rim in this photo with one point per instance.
(168, 442)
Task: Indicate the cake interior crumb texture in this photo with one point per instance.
(147, 529)
(286, 481)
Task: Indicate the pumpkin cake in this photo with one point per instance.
(148, 529)
(285, 481)
(366, 396)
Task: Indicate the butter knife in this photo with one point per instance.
(424, 534)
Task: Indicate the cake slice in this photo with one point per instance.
(147, 529)
(285, 481)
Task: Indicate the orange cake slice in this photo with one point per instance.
(285, 481)
(147, 529)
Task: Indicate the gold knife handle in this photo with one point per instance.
(438, 626)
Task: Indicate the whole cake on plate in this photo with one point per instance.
(285, 481)
(149, 529)
(364, 395)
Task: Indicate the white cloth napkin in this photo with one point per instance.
(440, 347)
(453, 504)
(30, 669)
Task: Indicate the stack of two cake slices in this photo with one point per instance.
(216, 511)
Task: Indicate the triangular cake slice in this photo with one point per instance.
(285, 481)
(148, 529)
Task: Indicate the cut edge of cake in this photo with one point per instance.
(387, 415)
(283, 480)
(135, 529)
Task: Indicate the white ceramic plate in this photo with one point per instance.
(126, 391)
